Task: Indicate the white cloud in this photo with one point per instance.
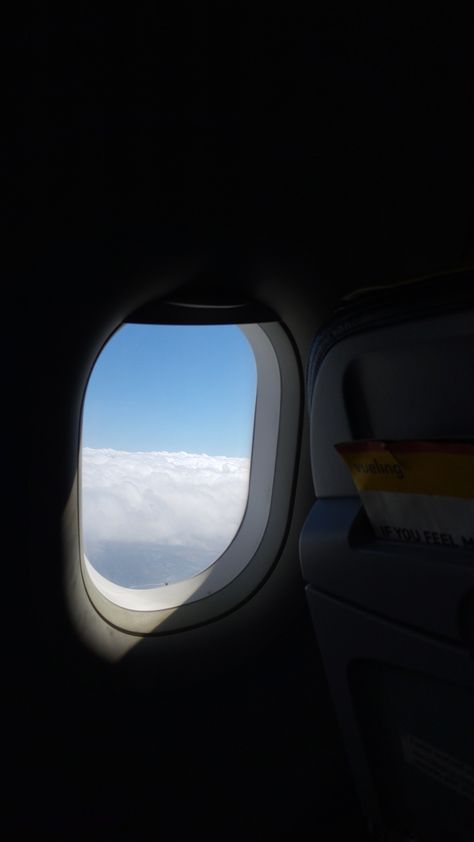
(155, 517)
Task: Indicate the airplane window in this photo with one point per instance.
(190, 436)
(168, 424)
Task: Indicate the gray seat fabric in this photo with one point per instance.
(395, 622)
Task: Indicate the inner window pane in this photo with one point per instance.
(167, 438)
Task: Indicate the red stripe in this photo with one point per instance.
(462, 448)
(360, 446)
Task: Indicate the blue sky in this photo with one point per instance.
(166, 387)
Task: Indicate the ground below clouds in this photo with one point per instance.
(155, 517)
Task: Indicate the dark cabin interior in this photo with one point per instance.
(287, 159)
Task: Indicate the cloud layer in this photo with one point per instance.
(150, 518)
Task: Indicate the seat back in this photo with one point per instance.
(395, 621)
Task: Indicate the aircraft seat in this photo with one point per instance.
(395, 619)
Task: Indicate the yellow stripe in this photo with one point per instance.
(444, 474)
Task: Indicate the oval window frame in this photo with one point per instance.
(259, 539)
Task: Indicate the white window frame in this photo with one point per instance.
(248, 559)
